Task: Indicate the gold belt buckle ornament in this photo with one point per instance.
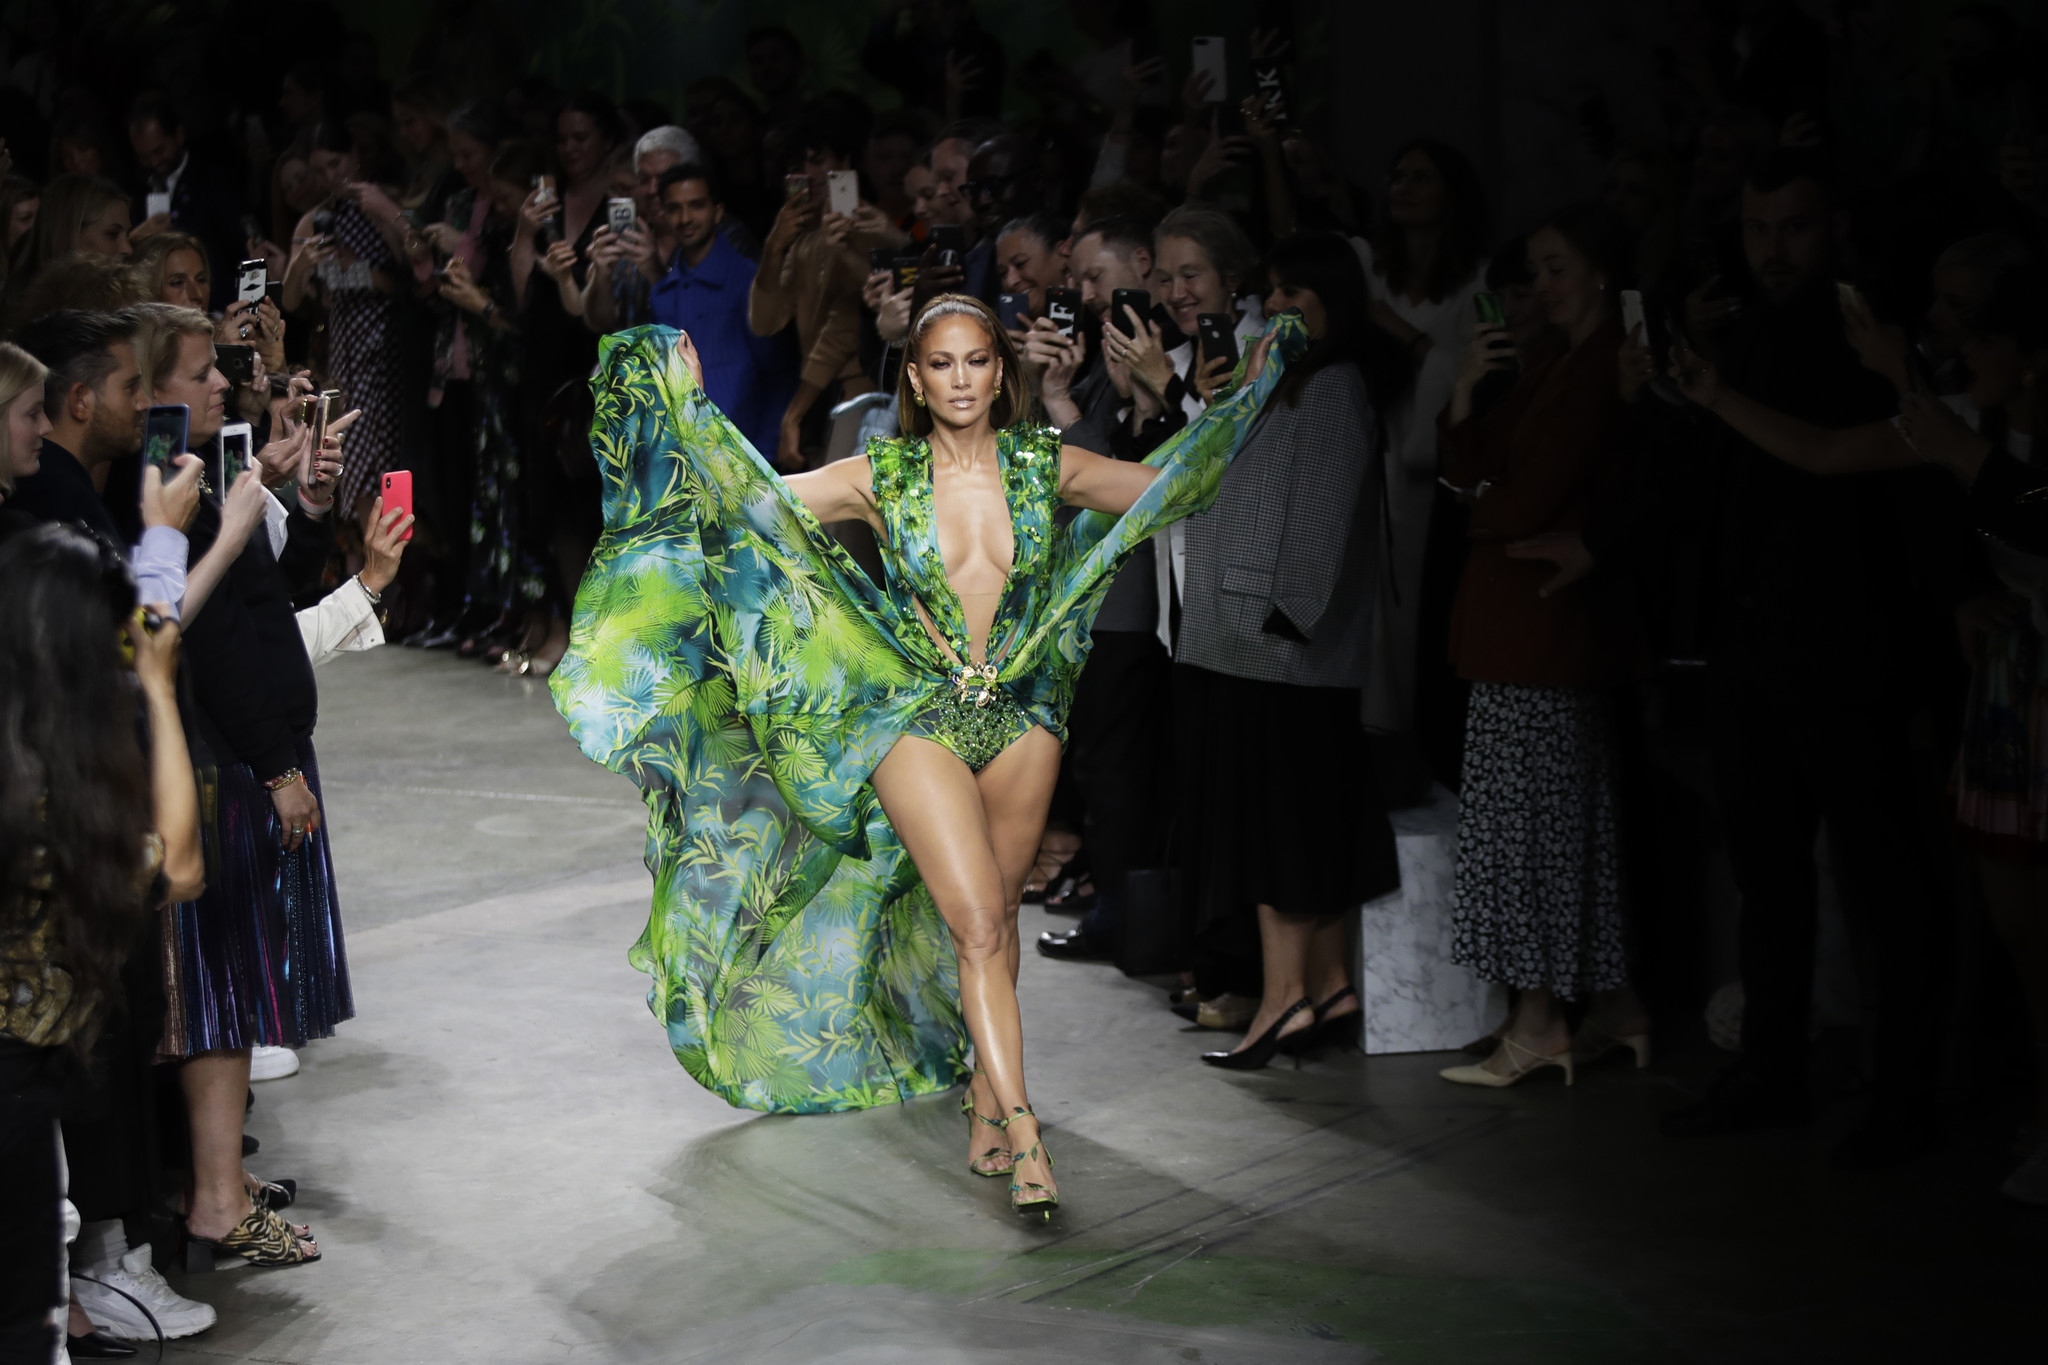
(964, 680)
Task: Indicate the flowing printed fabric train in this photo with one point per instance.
(732, 659)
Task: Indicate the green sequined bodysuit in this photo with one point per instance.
(729, 655)
(977, 718)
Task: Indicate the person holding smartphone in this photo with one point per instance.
(356, 264)
(811, 275)
(257, 958)
(99, 830)
(1543, 908)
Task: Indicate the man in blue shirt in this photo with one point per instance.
(704, 293)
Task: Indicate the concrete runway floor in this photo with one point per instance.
(504, 1163)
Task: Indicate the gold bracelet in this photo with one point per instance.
(284, 779)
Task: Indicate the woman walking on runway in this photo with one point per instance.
(835, 768)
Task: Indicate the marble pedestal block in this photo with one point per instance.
(1416, 999)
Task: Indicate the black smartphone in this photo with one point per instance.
(949, 237)
(1063, 306)
(274, 291)
(1013, 311)
(1139, 299)
(1488, 307)
(164, 434)
(238, 363)
(1218, 332)
(881, 258)
(904, 269)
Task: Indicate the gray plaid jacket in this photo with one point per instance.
(1293, 543)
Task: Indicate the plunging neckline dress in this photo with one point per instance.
(729, 656)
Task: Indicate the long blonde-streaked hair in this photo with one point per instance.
(19, 372)
(152, 260)
(1010, 407)
(156, 338)
(69, 203)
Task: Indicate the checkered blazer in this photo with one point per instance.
(1281, 571)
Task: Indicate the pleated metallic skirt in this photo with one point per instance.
(258, 959)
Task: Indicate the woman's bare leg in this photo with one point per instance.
(973, 842)
(1329, 964)
(1284, 942)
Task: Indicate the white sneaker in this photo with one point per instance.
(2029, 1184)
(135, 1276)
(272, 1063)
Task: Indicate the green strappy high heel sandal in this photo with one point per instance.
(1030, 1197)
(995, 1160)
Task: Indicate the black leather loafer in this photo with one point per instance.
(1077, 945)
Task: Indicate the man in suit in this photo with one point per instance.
(201, 200)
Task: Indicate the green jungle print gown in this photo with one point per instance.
(732, 659)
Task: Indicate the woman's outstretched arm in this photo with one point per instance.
(1817, 450)
(1100, 484)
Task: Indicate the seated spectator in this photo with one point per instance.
(705, 293)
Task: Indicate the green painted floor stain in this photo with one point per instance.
(1404, 1320)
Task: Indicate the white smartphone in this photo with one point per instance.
(250, 280)
(1209, 58)
(156, 202)
(842, 192)
(1632, 326)
(237, 453)
(620, 215)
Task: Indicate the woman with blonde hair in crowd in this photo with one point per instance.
(22, 423)
(79, 215)
(173, 267)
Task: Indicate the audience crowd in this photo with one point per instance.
(1546, 503)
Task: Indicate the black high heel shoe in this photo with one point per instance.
(1346, 1032)
(1260, 1051)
